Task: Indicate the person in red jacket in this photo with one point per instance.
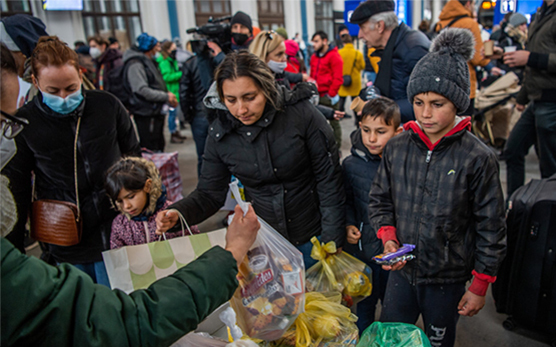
(326, 69)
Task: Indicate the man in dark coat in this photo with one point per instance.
(402, 46)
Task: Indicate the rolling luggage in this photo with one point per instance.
(526, 284)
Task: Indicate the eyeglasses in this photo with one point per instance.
(12, 125)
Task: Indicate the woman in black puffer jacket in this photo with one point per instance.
(46, 147)
(279, 146)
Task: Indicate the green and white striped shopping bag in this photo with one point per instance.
(136, 267)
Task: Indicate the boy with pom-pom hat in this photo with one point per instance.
(438, 188)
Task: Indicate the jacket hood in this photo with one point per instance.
(358, 148)
(453, 9)
(109, 56)
(132, 53)
(302, 91)
(462, 124)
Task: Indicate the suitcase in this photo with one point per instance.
(526, 284)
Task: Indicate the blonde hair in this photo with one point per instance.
(264, 43)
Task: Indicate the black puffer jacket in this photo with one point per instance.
(192, 91)
(359, 171)
(447, 201)
(46, 147)
(288, 163)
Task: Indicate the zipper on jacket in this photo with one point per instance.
(446, 250)
(429, 155)
(427, 160)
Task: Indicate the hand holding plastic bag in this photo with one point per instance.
(271, 288)
(338, 272)
(393, 335)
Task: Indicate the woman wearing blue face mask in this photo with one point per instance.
(73, 137)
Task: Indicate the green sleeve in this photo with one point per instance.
(170, 73)
(61, 306)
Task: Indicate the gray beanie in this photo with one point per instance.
(444, 70)
(517, 19)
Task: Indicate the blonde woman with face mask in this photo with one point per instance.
(270, 48)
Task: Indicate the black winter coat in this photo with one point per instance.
(447, 201)
(359, 171)
(287, 161)
(192, 91)
(46, 147)
(410, 47)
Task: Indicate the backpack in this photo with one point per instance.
(117, 84)
(437, 28)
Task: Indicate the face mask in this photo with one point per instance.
(173, 54)
(94, 52)
(62, 105)
(7, 151)
(277, 67)
(157, 55)
(240, 39)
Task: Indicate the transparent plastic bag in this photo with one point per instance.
(338, 272)
(393, 335)
(271, 288)
(325, 323)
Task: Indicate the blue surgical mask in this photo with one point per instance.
(63, 105)
(277, 67)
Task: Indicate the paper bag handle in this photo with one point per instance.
(183, 224)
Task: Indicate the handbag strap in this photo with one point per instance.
(354, 62)
(75, 168)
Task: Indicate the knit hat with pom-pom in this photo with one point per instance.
(444, 69)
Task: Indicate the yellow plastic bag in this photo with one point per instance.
(338, 272)
(325, 323)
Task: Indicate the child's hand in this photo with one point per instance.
(352, 234)
(165, 220)
(470, 304)
(390, 247)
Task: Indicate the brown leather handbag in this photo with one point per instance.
(58, 222)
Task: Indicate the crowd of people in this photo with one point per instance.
(262, 111)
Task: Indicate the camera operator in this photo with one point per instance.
(242, 35)
(198, 73)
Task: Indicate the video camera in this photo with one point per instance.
(215, 31)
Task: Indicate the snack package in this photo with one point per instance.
(271, 288)
(342, 273)
(394, 257)
(325, 323)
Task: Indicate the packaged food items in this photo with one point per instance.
(325, 323)
(271, 288)
(394, 257)
(342, 273)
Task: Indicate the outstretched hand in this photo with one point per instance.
(242, 233)
(166, 220)
(390, 247)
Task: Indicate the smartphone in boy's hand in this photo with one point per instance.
(391, 247)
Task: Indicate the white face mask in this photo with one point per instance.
(94, 52)
(7, 151)
(277, 67)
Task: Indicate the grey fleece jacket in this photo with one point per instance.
(138, 80)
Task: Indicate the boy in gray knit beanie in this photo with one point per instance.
(438, 188)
